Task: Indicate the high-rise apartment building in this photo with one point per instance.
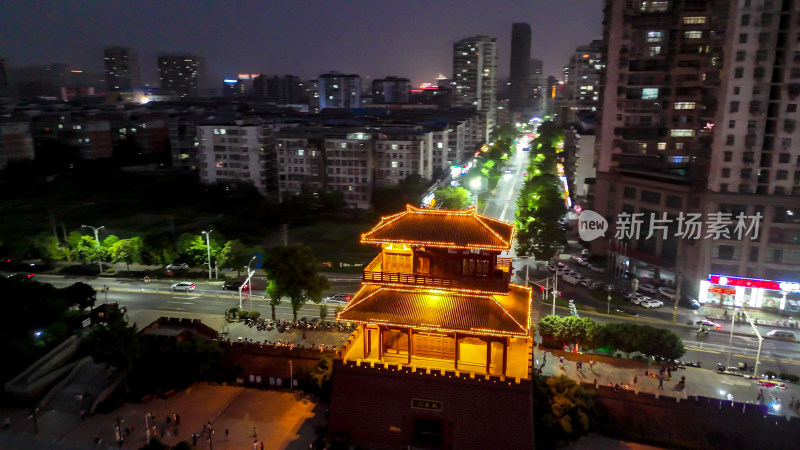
(475, 77)
(391, 90)
(181, 75)
(339, 90)
(582, 79)
(699, 115)
(281, 90)
(6, 88)
(537, 87)
(122, 68)
(519, 77)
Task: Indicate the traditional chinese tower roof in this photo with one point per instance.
(457, 229)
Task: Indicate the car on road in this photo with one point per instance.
(667, 292)
(649, 288)
(508, 171)
(185, 286)
(337, 299)
(585, 282)
(595, 285)
(551, 267)
(234, 286)
(178, 266)
(652, 303)
(21, 276)
(785, 334)
(569, 279)
(625, 311)
(596, 268)
(636, 298)
(689, 302)
(709, 324)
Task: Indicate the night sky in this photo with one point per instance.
(376, 38)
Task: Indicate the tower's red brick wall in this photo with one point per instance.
(372, 406)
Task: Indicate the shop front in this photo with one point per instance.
(732, 291)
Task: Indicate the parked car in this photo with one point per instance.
(185, 286)
(595, 284)
(689, 302)
(637, 299)
(178, 266)
(667, 292)
(582, 262)
(569, 279)
(709, 324)
(649, 288)
(551, 267)
(596, 268)
(337, 299)
(234, 287)
(785, 334)
(652, 303)
(586, 281)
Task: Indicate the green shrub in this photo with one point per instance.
(255, 314)
(788, 377)
(243, 315)
(233, 310)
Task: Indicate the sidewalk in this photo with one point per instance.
(699, 382)
(763, 318)
(281, 419)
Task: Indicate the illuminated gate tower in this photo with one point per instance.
(442, 355)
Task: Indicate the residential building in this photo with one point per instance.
(441, 330)
(301, 161)
(122, 69)
(519, 77)
(183, 141)
(537, 88)
(391, 90)
(349, 162)
(6, 84)
(281, 90)
(475, 78)
(339, 90)
(699, 116)
(238, 151)
(181, 74)
(232, 87)
(16, 142)
(582, 81)
(402, 152)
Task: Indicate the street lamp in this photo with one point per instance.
(97, 244)
(208, 247)
(250, 283)
(476, 185)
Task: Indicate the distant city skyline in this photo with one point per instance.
(409, 39)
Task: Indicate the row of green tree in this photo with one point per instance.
(541, 230)
(489, 164)
(624, 337)
(159, 248)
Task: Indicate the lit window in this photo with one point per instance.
(649, 93)
(655, 50)
(394, 163)
(681, 133)
(343, 145)
(684, 105)
(693, 20)
(662, 145)
(300, 152)
(655, 36)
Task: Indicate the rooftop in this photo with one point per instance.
(475, 312)
(462, 229)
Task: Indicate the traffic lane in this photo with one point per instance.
(200, 304)
(502, 205)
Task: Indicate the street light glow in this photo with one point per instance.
(475, 183)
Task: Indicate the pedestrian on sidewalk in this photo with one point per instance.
(635, 379)
(595, 383)
(544, 358)
(661, 383)
(226, 434)
(262, 445)
(254, 432)
(194, 438)
(591, 364)
(83, 414)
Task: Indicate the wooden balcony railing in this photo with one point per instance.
(497, 284)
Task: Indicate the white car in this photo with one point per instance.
(596, 268)
(570, 280)
(667, 292)
(551, 267)
(586, 281)
(594, 285)
(179, 266)
(652, 303)
(649, 288)
(637, 299)
(185, 286)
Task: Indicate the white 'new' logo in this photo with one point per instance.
(591, 225)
